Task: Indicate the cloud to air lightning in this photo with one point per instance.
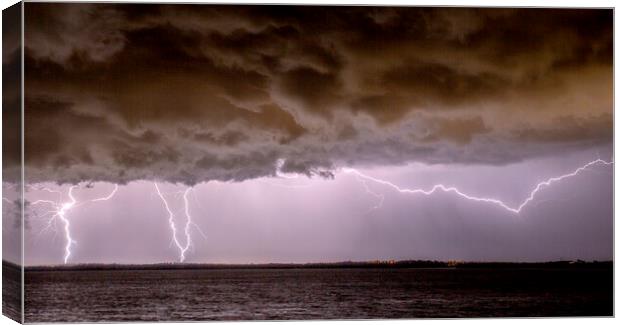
(59, 209)
(450, 189)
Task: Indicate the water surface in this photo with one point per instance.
(253, 294)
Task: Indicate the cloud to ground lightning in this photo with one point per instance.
(183, 248)
(58, 210)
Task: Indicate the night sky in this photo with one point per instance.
(260, 110)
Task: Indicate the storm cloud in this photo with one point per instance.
(192, 93)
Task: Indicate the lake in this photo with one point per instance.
(329, 293)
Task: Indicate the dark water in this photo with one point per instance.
(244, 294)
(11, 291)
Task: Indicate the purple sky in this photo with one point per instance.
(318, 220)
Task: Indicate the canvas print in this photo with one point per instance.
(198, 162)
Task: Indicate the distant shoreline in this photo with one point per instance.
(335, 265)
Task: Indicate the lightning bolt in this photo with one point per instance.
(380, 197)
(60, 209)
(105, 198)
(449, 189)
(183, 248)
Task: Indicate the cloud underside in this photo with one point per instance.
(191, 93)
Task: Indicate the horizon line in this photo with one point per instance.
(366, 263)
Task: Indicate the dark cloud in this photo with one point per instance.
(435, 83)
(316, 92)
(592, 130)
(459, 131)
(11, 93)
(189, 93)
